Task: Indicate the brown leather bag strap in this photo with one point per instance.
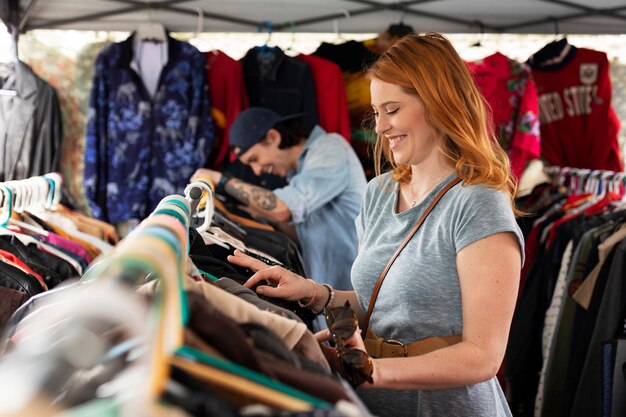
(408, 237)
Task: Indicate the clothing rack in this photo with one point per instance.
(158, 247)
(43, 191)
(594, 181)
(569, 315)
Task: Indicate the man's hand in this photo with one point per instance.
(204, 173)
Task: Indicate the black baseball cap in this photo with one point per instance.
(251, 126)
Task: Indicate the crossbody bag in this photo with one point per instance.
(378, 347)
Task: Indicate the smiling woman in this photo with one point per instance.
(435, 304)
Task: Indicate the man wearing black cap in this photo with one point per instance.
(325, 186)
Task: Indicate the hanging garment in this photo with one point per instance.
(14, 278)
(11, 300)
(332, 105)
(579, 127)
(588, 398)
(53, 269)
(212, 259)
(510, 90)
(139, 149)
(352, 57)
(228, 99)
(281, 83)
(30, 124)
(569, 345)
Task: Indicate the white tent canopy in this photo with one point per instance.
(346, 16)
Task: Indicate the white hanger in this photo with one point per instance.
(57, 192)
(210, 207)
(21, 199)
(338, 37)
(151, 31)
(208, 211)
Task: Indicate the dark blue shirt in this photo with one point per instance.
(281, 83)
(140, 149)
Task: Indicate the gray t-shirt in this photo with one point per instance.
(421, 295)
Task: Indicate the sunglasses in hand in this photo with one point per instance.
(354, 365)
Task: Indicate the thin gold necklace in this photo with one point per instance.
(421, 197)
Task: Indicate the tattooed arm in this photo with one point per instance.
(261, 202)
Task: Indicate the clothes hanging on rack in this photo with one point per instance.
(570, 304)
(212, 259)
(140, 149)
(510, 90)
(266, 358)
(579, 127)
(330, 90)
(228, 99)
(37, 255)
(30, 124)
(353, 57)
(280, 83)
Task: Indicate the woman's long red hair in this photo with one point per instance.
(428, 67)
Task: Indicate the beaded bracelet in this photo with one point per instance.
(331, 297)
(312, 298)
(329, 300)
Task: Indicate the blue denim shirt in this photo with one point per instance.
(324, 197)
(139, 149)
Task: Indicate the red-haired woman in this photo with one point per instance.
(447, 301)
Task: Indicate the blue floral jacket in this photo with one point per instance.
(140, 149)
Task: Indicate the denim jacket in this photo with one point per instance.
(139, 149)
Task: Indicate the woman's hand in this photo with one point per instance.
(354, 372)
(355, 341)
(285, 284)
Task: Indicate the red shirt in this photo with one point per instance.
(228, 96)
(579, 127)
(510, 90)
(332, 105)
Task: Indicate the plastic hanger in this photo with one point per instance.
(21, 199)
(41, 192)
(290, 50)
(57, 190)
(151, 32)
(266, 51)
(195, 37)
(554, 51)
(338, 37)
(145, 249)
(605, 197)
(193, 194)
(241, 380)
(479, 50)
(7, 204)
